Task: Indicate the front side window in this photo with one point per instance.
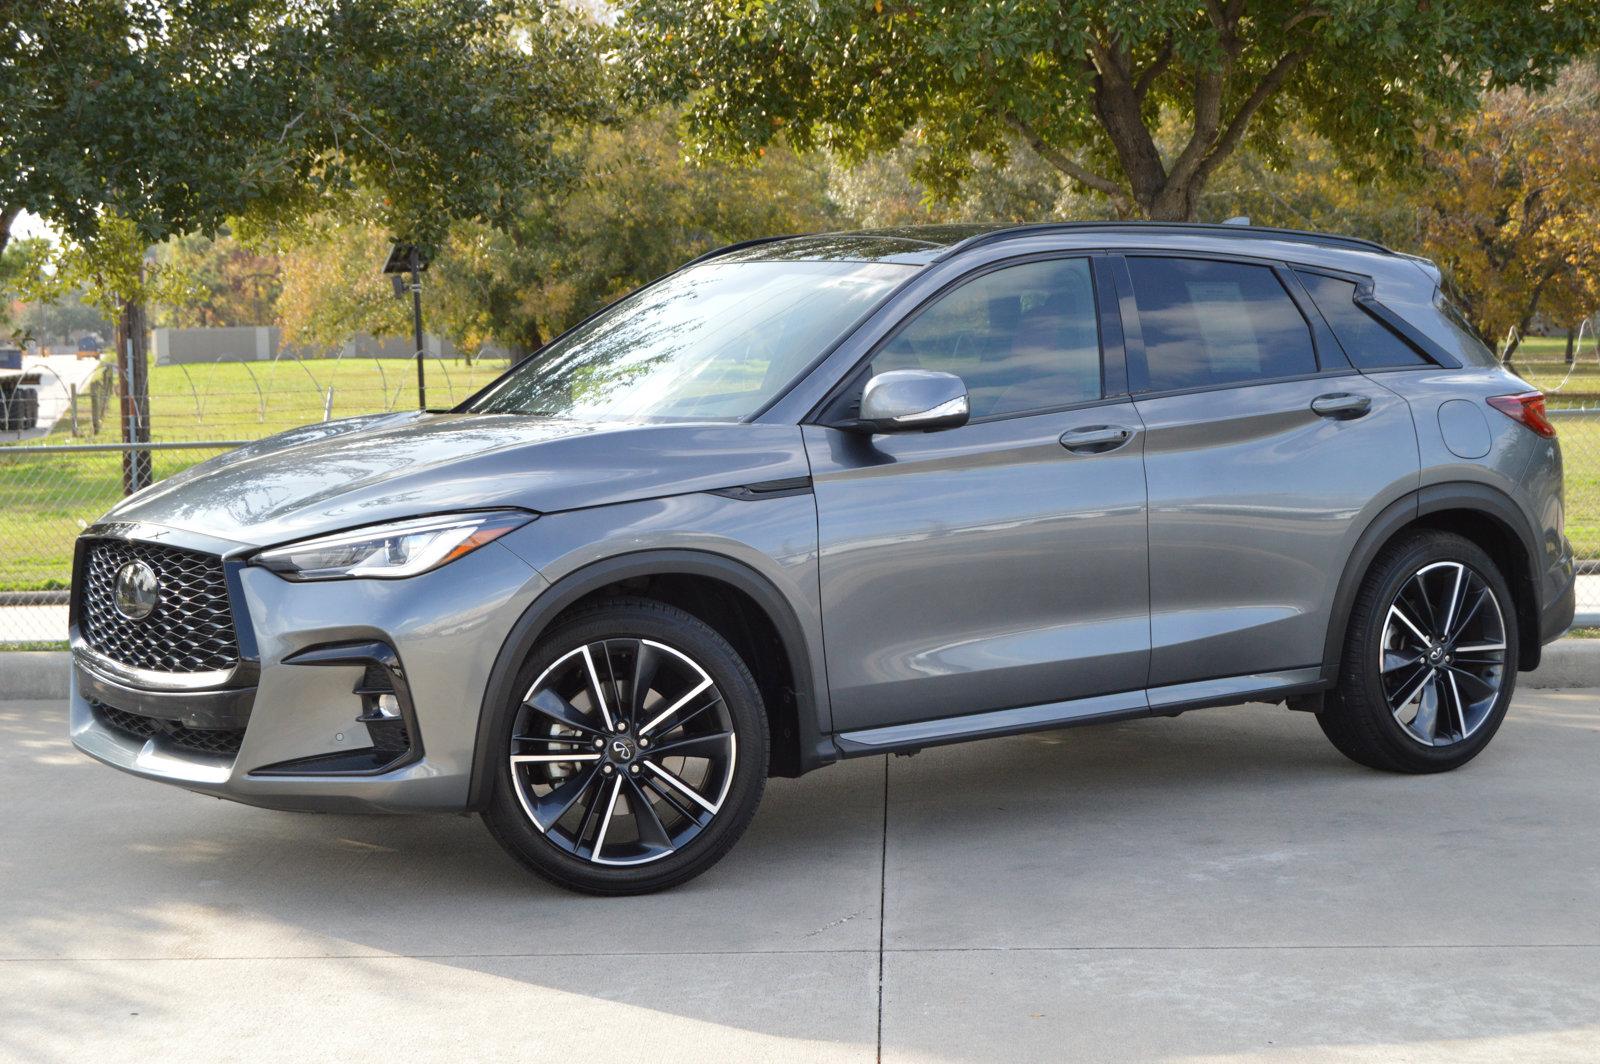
(1369, 343)
(716, 341)
(1024, 338)
(1208, 323)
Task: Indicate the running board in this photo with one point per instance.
(1099, 709)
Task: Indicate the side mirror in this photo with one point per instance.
(913, 400)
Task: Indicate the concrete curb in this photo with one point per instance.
(34, 673)
(45, 674)
(1566, 663)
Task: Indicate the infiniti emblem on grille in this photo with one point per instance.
(137, 591)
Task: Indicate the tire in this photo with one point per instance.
(596, 803)
(1365, 717)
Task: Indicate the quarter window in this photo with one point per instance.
(1367, 341)
(1207, 323)
(1024, 338)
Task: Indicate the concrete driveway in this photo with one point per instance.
(1222, 886)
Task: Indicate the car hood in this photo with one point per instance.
(358, 471)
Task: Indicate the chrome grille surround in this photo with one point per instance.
(191, 630)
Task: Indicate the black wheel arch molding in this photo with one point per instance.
(1413, 508)
(499, 699)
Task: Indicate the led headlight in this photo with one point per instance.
(391, 551)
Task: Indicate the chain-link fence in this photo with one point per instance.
(62, 462)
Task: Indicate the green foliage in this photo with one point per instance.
(1086, 83)
(125, 122)
(233, 284)
(636, 210)
(62, 319)
(639, 210)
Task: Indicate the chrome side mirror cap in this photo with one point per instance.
(913, 400)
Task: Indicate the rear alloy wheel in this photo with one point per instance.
(1443, 654)
(1429, 660)
(636, 755)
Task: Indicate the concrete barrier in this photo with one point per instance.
(34, 674)
(1567, 663)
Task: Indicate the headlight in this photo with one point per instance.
(391, 551)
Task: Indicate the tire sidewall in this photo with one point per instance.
(687, 635)
(1361, 672)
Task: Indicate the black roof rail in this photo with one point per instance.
(728, 249)
(1255, 232)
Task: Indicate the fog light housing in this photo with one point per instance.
(386, 711)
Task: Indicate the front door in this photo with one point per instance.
(1002, 563)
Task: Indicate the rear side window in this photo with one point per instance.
(1367, 341)
(1210, 323)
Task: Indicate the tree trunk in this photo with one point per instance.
(1572, 349)
(133, 389)
(8, 215)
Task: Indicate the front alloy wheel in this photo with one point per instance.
(623, 751)
(635, 755)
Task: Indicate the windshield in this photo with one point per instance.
(711, 342)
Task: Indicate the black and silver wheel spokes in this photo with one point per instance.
(1443, 656)
(622, 751)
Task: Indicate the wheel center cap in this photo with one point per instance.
(622, 749)
(1436, 655)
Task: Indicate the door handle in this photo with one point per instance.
(1095, 439)
(1341, 406)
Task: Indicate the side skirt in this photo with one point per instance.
(1157, 702)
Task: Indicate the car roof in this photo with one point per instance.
(922, 245)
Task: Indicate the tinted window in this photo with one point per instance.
(1023, 338)
(1367, 341)
(715, 341)
(1207, 323)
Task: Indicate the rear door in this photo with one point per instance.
(1265, 454)
(999, 564)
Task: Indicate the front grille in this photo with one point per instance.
(204, 741)
(190, 629)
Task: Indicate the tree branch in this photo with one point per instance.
(1263, 92)
(1302, 15)
(1158, 66)
(8, 215)
(1066, 164)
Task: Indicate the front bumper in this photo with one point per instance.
(291, 737)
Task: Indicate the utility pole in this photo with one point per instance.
(403, 259)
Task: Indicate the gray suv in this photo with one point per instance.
(835, 496)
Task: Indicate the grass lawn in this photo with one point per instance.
(247, 400)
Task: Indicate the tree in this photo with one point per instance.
(179, 114)
(635, 209)
(883, 190)
(234, 284)
(1087, 83)
(63, 320)
(1512, 212)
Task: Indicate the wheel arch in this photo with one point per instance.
(692, 579)
(1480, 513)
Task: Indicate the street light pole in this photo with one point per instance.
(404, 259)
(416, 326)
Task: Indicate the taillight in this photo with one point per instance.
(1525, 409)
